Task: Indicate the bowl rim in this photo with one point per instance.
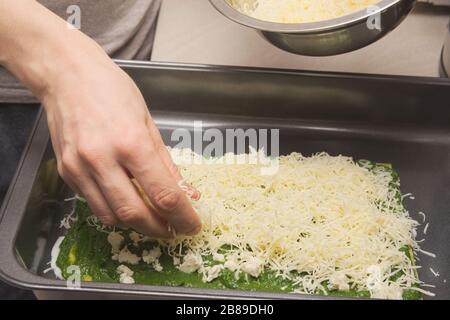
(310, 27)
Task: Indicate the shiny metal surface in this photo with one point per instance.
(329, 37)
(404, 121)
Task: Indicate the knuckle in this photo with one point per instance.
(128, 144)
(128, 214)
(167, 199)
(91, 153)
(68, 165)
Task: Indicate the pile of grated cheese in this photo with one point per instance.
(324, 216)
(299, 11)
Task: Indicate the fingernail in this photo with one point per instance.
(194, 231)
(190, 191)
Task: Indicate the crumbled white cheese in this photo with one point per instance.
(116, 240)
(375, 276)
(135, 237)
(191, 263)
(218, 257)
(157, 266)
(387, 291)
(152, 255)
(176, 261)
(125, 256)
(125, 274)
(231, 264)
(339, 281)
(124, 269)
(126, 279)
(211, 273)
(253, 267)
(379, 285)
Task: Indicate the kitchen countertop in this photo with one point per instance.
(192, 31)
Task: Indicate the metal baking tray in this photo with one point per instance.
(400, 120)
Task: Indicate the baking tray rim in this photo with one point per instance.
(429, 80)
(14, 273)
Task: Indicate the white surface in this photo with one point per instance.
(192, 31)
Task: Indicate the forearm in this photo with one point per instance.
(37, 46)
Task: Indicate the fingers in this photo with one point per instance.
(85, 186)
(97, 202)
(162, 150)
(111, 196)
(103, 171)
(190, 191)
(166, 197)
(124, 200)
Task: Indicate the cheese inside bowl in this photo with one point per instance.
(300, 11)
(317, 28)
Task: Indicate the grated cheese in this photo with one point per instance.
(430, 254)
(425, 292)
(426, 228)
(424, 217)
(125, 256)
(322, 215)
(435, 273)
(328, 218)
(67, 220)
(299, 11)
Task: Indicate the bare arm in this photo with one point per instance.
(101, 130)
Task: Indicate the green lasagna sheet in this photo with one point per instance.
(89, 249)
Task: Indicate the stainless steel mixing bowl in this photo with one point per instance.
(328, 37)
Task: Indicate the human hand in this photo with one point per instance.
(101, 129)
(103, 135)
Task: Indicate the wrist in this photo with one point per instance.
(70, 62)
(62, 62)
